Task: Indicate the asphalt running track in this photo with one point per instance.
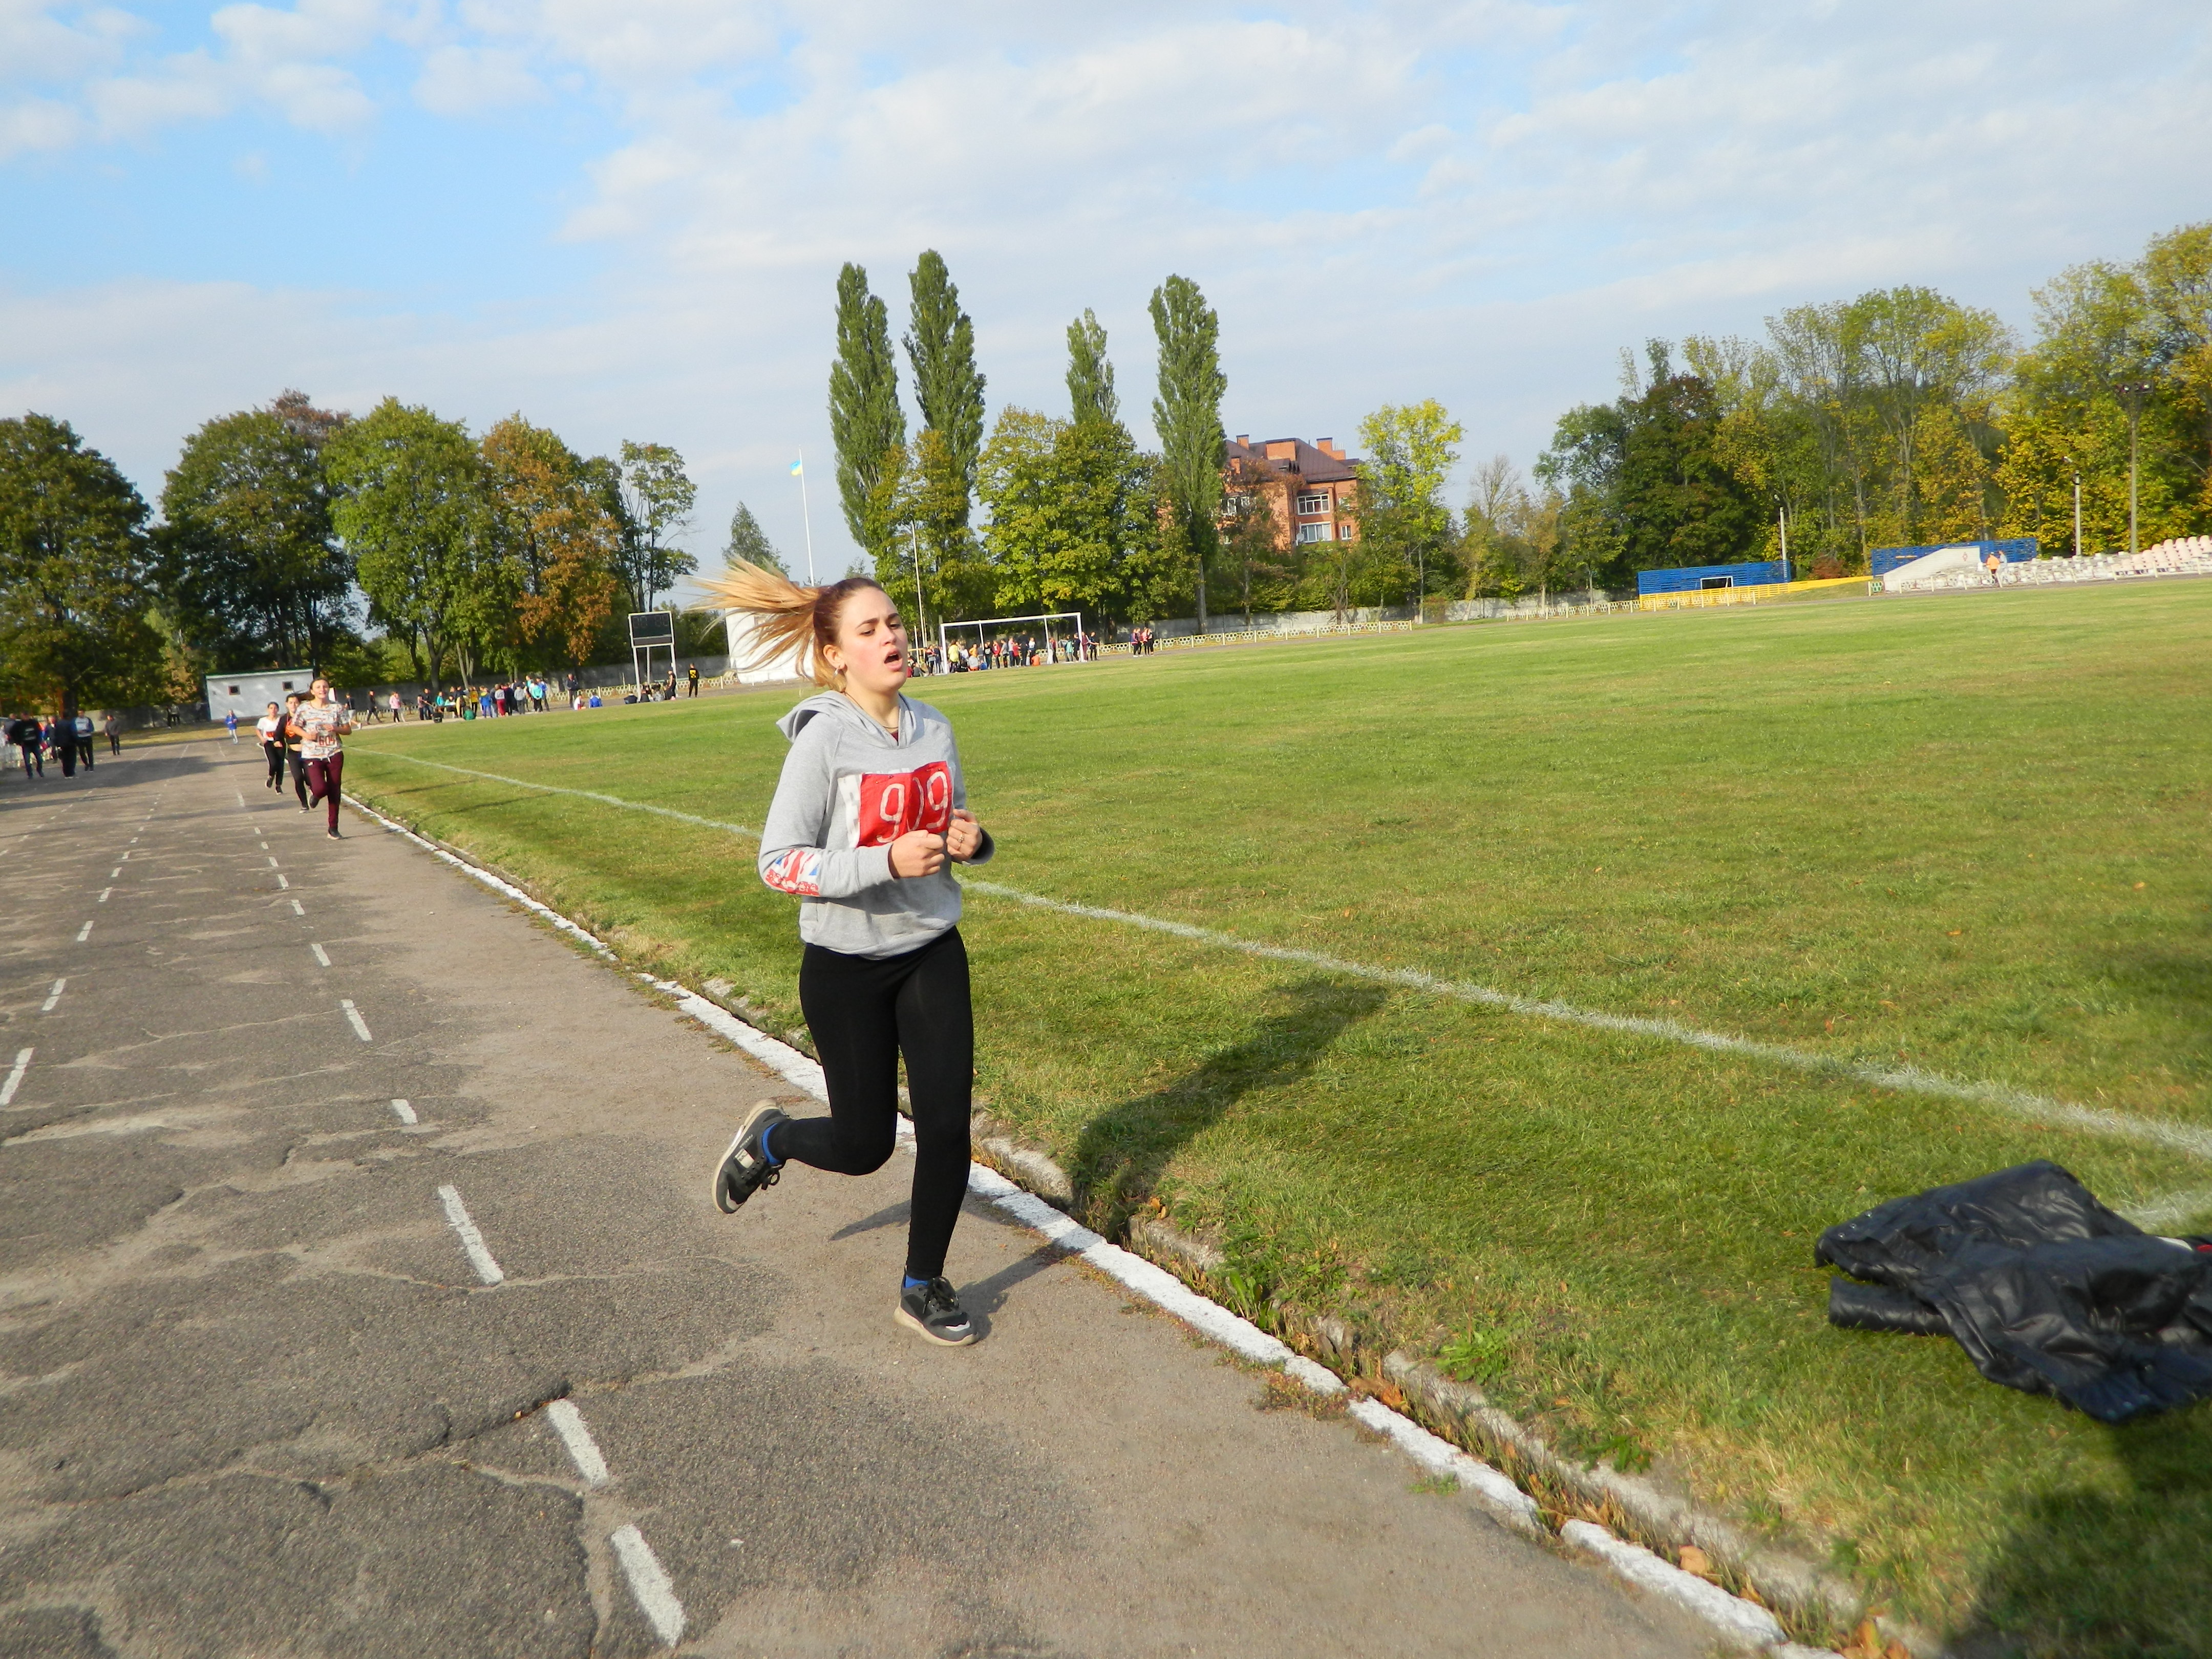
(360, 1294)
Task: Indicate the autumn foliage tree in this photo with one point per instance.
(562, 547)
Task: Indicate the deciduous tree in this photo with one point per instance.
(73, 568)
(562, 547)
(413, 507)
(658, 497)
(249, 564)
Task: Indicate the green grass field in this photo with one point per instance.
(1965, 834)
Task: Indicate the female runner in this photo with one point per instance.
(320, 723)
(870, 808)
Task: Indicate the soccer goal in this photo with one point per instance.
(1038, 629)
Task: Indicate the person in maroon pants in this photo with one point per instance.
(322, 721)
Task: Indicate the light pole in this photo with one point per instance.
(2131, 394)
(921, 606)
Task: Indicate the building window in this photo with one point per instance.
(1344, 531)
(1313, 532)
(1314, 503)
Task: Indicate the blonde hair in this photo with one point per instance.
(789, 618)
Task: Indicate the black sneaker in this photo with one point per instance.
(332, 834)
(744, 1169)
(933, 1310)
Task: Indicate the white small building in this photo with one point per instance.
(248, 695)
(741, 626)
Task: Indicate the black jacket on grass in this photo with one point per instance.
(2047, 1290)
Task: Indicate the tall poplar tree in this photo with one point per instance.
(866, 421)
(1090, 375)
(1188, 415)
(940, 344)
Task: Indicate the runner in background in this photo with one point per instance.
(870, 808)
(81, 729)
(292, 702)
(269, 728)
(322, 722)
(230, 723)
(114, 733)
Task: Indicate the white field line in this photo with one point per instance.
(472, 1244)
(53, 997)
(402, 1111)
(15, 1076)
(2160, 1213)
(583, 1451)
(352, 1013)
(1909, 1079)
(84, 933)
(321, 954)
(648, 1583)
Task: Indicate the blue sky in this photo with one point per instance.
(626, 222)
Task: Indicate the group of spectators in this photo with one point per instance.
(66, 739)
(1017, 651)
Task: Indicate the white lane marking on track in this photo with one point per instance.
(15, 1076)
(116, 871)
(296, 911)
(272, 864)
(648, 1583)
(240, 793)
(583, 1451)
(402, 1111)
(282, 884)
(1908, 1079)
(321, 954)
(84, 933)
(472, 1244)
(360, 1025)
(53, 997)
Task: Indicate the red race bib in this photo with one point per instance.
(892, 803)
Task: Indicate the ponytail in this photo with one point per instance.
(788, 619)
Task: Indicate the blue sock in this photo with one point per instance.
(912, 1284)
(773, 1160)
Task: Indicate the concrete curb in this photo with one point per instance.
(1025, 1181)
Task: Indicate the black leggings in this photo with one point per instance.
(299, 777)
(864, 1012)
(274, 752)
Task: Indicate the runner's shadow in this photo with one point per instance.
(2112, 1559)
(1124, 1151)
(892, 1215)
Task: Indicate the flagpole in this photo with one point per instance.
(805, 516)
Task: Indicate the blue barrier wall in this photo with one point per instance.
(1691, 578)
(1883, 559)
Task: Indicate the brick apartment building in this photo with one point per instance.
(1310, 487)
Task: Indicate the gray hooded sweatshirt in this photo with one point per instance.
(848, 790)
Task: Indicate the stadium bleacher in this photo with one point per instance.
(2183, 555)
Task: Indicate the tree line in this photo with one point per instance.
(1898, 419)
(393, 546)
(1076, 514)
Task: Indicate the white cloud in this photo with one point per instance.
(461, 80)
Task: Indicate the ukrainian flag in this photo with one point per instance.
(798, 469)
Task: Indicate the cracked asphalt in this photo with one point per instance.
(254, 1399)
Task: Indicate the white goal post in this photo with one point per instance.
(1070, 621)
